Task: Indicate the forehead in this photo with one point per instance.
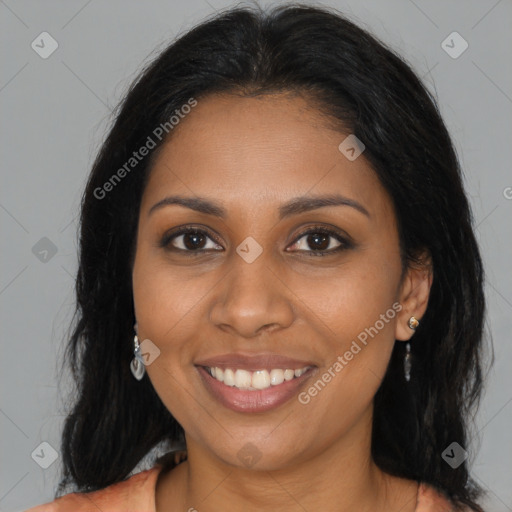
(246, 151)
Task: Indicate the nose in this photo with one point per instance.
(252, 299)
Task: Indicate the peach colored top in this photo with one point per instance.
(137, 494)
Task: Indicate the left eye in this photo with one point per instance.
(320, 242)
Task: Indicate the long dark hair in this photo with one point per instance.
(370, 91)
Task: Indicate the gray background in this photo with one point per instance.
(56, 111)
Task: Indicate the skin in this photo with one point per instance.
(251, 155)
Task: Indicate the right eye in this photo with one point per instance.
(189, 240)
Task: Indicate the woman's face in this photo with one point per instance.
(254, 296)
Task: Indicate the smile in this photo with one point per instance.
(257, 380)
(254, 391)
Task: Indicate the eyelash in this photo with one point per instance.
(316, 230)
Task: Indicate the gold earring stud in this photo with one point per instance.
(413, 323)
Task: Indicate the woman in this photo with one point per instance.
(278, 274)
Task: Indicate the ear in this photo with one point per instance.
(413, 295)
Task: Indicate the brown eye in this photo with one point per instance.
(189, 240)
(321, 242)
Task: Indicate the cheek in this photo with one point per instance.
(162, 297)
(351, 298)
(358, 329)
(161, 313)
(355, 310)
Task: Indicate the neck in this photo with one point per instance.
(342, 477)
(308, 485)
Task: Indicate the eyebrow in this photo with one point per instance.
(293, 207)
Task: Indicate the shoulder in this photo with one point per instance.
(135, 493)
(432, 500)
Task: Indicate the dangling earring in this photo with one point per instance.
(136, 364)
(407, 362)
(413, 324)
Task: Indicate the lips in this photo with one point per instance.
(253, 363)
(251, 399)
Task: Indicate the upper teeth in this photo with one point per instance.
(260, 379)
